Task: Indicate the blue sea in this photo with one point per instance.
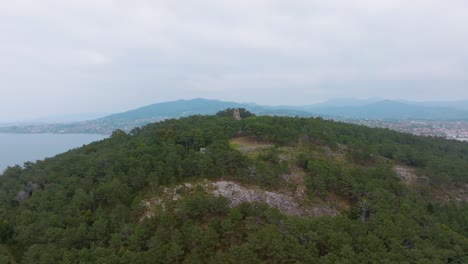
(20, 148)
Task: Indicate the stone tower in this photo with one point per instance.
(236, 114)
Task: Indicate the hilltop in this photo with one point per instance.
(211, 189)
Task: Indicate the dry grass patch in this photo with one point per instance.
(248, 144)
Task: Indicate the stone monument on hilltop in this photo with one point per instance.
(236, 114)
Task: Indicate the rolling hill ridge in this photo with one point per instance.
(211, 189)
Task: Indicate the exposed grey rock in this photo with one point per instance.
(26, 191)
(237, 194)
(408, 175)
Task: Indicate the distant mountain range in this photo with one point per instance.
(198, 106)
(390, 110)
(343, 109)
(460, 105)
(68, 118)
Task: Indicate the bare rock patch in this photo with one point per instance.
(237, 194)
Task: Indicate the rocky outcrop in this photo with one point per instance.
(407, 175)
(26, 191)
(237, 194)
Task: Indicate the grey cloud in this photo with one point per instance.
(107, 56)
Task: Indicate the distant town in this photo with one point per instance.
(457, 130)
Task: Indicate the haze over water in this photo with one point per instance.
(20, 148)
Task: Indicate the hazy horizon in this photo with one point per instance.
(102, 56)
(82, 116)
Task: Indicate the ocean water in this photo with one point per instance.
(20, 148)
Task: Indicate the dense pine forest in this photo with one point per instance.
(91, 204)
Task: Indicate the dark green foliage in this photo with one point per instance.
(88, 204)
(5, 231)
(199, 205)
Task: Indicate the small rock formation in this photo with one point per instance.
(407, 175)
(442, 193)
(27, 191)
(459, 195)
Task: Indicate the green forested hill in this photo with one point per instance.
(88, 205)
(174, 109)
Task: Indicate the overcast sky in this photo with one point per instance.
(71, 56)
